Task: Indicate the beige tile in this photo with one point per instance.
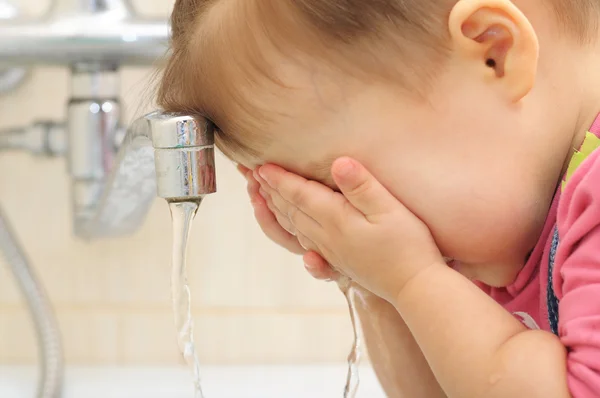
(138, 86)
(41, 96)
(139, 280)
(273, 338)
(240, 338)
(17, 338)
(88, 275)
(154, 7)
(87, 338)
(149, 339)
(139, 271)
(34, 7)
(90, 338)
(41, 227)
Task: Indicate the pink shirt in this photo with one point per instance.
(576, 276)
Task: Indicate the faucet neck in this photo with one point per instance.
(91, 7)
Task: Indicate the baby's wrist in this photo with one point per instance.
(415, 282)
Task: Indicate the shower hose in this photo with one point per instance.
(46, 326)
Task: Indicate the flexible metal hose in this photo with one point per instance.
(46, 326)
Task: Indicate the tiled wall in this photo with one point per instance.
(252, 301)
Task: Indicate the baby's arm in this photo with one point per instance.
(482, 351)
(396, 358)
(474, 346)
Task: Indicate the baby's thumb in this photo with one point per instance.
(361, 189)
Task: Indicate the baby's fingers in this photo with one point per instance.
(275, 198)
(270, 226)
(283, 220)
(266, 219)
(318, 268)
(242, 169)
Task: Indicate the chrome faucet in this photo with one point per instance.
(115, 172)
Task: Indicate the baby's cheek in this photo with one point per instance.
(480, 235)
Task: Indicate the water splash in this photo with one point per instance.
(182, 214)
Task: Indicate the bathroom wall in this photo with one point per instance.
(253, 302)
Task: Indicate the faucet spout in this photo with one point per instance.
(184, 156)
(171, 155)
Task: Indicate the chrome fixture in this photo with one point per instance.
(114, 178)
(42, 138)
(10, 78)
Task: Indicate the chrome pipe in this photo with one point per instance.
(84, 31)
(93, 120)
(82, 39)
(42, 138)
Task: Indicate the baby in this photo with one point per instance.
(440, 153)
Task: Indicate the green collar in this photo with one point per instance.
(590, 144)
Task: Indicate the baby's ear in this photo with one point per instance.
(499, 39)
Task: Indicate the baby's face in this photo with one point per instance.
(474, 168)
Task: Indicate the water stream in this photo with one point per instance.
(352, 377)
(182, 214)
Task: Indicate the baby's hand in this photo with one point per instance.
(279, 229)
(365, 232)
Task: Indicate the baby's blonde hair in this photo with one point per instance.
(221, 67)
